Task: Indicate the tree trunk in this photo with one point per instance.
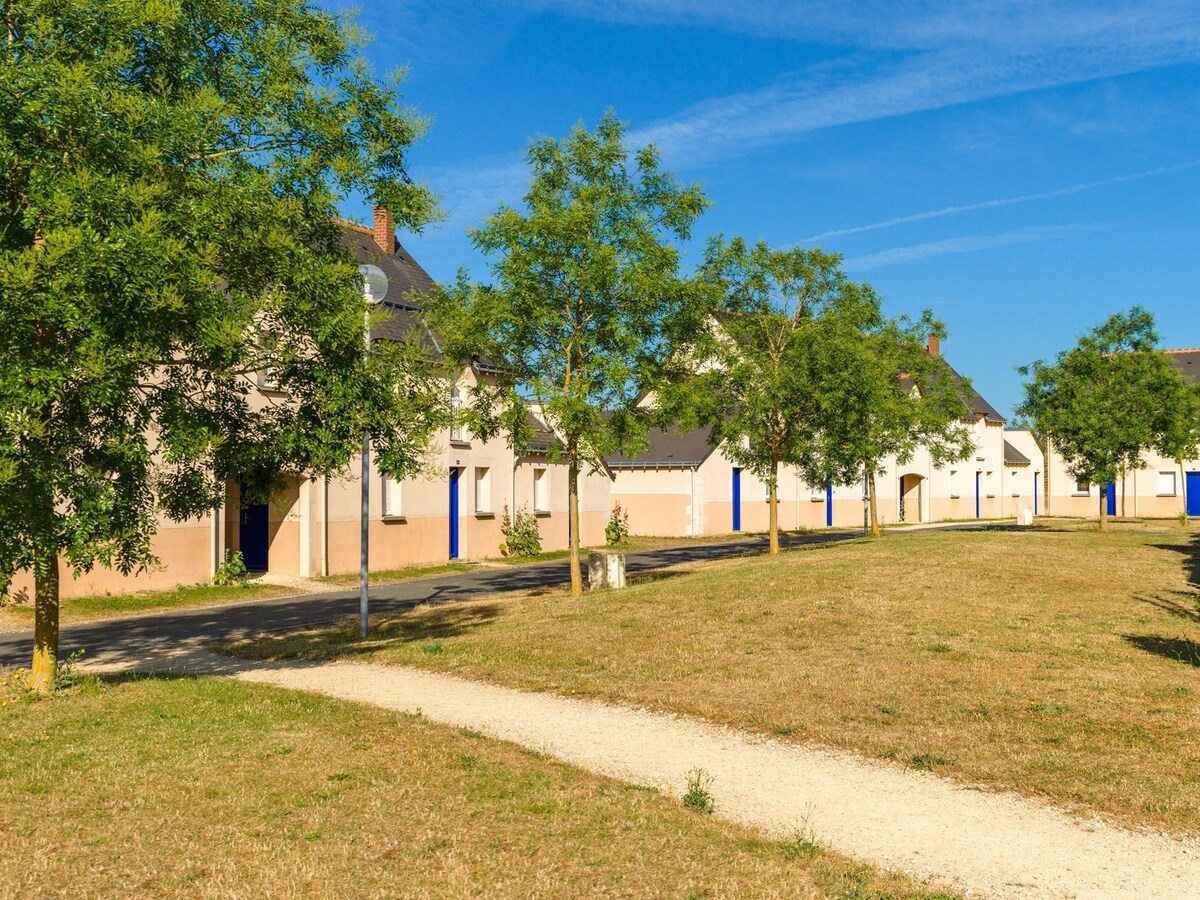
(1123, 514)
(1104, 507)
(45, 629)
(573, 518)
(874, 503)
(773, 507)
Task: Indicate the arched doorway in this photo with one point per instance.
(912, 499)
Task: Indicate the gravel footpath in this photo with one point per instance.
(983, 844)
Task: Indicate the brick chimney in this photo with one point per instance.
(934, 345)
(385, 231)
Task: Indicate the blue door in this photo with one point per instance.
(454, 473)
(1193, 493)
(737, 499)
(253, 538)
(977, 475)
(1035, 492)
(829, 506)
(1110, 495)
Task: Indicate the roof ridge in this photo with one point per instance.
(354, 226)
(1182, 350)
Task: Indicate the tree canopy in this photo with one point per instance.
(587, 300)
(169, 177)
(881, 394)
(757, 362)
(1113, 396)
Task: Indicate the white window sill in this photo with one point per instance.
(541, 512)
(1166, 495)
(395, 518)
(484, 514)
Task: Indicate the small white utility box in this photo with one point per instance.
(606, 570)
(1025, 516)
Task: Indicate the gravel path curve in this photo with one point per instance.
(983, 844)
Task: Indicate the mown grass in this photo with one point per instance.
(210, 787)
(385, 576)
(1061, 664)
(101, 606)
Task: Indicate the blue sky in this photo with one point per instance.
(1022, 168)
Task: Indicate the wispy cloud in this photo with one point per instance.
(904, 24)
(965, 244)
(1003, 201)
(972, 52)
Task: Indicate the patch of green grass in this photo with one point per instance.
(157, 786)
(101, 606)
(384, 576)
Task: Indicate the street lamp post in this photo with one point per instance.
(374, 285)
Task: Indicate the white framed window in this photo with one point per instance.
(1166, 484)
(954, 486)
(1083, 487)
(457, 432)
(816, 493)
(987, 485)
(541, 490)
(393, 498)
(483, 489)
(1014, 484)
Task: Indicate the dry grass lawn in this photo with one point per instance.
(1059, 663)
(209, 787)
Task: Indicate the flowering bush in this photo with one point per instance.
(521, 536)
(617, 529)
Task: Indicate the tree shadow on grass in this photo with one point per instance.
(1191, 558)
(1181, 604)
(1177, 649)
(419, 624)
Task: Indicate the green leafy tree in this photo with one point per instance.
(757, 364)
(587, 300)
(882, 396)
(169, 173)
(1106, 401)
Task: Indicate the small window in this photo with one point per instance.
(954, 489)
(1083, 487)
(268, 378)
(816, 493)
(457, 432)
(393, 507)
(987, 485)
(541, 491)
(483, 489)
(1166, 484)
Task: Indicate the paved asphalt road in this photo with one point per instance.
(127, 638)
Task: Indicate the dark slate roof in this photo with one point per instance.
(541, 438)
(976, 406)
(405, 275)
(1013, 456)
(685, 449)
(405, 278)
(1187, 361)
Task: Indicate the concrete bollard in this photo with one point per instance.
(1025, 516)
(606, 570)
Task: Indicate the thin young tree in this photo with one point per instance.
(1113, 396)
(169, 174)
(587, 300)
(755, 365)
(883, 395)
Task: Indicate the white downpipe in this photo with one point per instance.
(325, 526)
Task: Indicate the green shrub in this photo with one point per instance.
(521, 536)
(617, 530)
(698, 796)
(233, 570)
